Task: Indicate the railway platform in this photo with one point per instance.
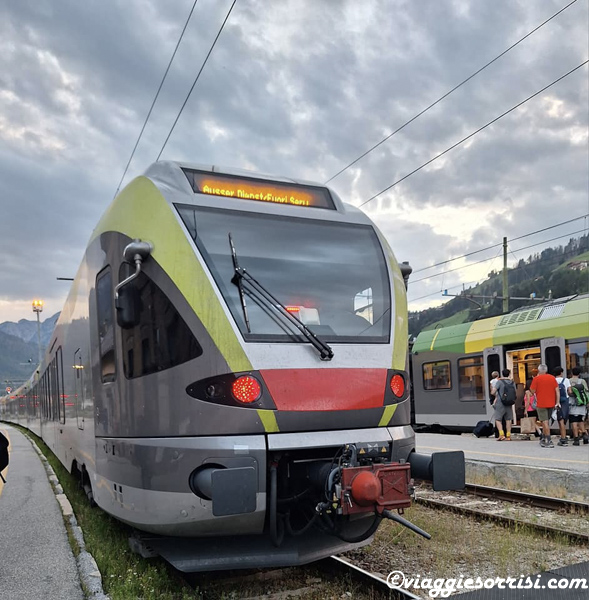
(562, 470)
(36, 560)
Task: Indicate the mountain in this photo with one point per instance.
(26, 330)
(19, 352)
(554, 272)
(17, 360)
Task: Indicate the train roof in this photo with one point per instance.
(562, 317)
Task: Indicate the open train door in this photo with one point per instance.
(494, 360)
(553, 353)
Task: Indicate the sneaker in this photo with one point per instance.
(586, 439)
(501, 438)
(576, 442)
(563, 442)
(546, 444)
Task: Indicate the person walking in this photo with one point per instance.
(564, 388)
(547, 393)
(504, 400)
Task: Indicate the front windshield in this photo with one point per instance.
(332, 276)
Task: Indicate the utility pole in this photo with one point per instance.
(505, 284)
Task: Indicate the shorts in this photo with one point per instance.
(544, 413)
(532, 413)
(502, 411)
(563, 412)
(576, 418)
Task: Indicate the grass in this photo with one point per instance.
(125, 575)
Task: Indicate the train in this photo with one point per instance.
(452, 366)
(229, 374)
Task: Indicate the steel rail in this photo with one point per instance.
(473, 512)
(340, 565)
(535, 500)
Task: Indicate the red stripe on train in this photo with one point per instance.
(326, 389)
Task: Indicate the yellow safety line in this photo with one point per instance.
(434, 340)
(581, 462)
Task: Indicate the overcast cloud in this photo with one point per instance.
(297, 88)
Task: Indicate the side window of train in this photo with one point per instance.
(470, 378)
(106, 330)
(160, 339)
(436, 375)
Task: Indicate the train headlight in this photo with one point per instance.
(398, 385)
(246, 389)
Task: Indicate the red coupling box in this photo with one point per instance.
(376, 487)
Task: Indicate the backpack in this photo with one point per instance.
(580, 394)
(563, 393)
(508, 396)
(483, 429)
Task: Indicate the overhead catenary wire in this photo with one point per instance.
(478, 262)
(478, 282)
(197, 78)
(474, 133)
(521, 237)
(159, 89)
(448, 93)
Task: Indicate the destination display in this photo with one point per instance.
(261, 190)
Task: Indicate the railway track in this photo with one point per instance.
(535, 500)
(308, 581)
(455, 502)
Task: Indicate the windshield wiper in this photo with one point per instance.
(238, 282)
(256, 289)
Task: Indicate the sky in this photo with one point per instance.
(299, 88)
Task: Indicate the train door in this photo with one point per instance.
(493, 359)
(79, 388)
(553, 353)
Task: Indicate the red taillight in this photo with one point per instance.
(293, 309)
(246, 389)
(398, 385)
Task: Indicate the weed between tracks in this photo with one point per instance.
(463, 547)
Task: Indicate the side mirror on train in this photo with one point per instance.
(127, 301)
(128, 305)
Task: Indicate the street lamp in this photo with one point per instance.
(38, 308)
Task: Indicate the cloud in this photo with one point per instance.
(297, 88)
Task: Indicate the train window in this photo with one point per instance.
(161, 339)
(106, 330)
(61, 390)
(578, 356)
(436, 375)
(470, 378)
(335, 273)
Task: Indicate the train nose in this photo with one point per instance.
(366, 488)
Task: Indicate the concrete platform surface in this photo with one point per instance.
(515, 452)
(36, 560)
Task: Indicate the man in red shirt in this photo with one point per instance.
(545, 387)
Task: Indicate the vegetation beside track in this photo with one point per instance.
(125, 575)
